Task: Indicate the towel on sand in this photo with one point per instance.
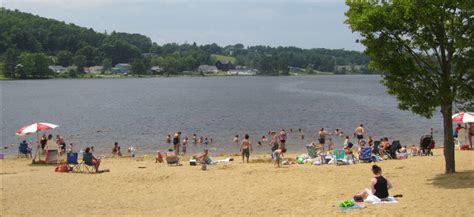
(375, 200)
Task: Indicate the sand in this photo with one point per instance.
(254, 189)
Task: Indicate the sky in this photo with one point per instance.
(300, 23)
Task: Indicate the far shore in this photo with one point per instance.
(106, 76)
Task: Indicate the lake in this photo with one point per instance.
(142, 111)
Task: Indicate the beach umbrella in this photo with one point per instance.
(35, 128)
(464, 117)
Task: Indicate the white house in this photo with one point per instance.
(58, 69)
(94, 69)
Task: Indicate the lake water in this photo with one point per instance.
(141, 112)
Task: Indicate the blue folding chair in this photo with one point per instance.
(72, 162)
(365, 154)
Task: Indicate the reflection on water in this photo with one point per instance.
(141, 112)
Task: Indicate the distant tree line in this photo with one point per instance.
(30, 43)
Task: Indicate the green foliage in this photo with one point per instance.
(33, 65)
(11, 60)
(138, 67)
(424, 49)
(222, 58)
(64, 58)
(107, 64)
(80, 61)
(71, 44)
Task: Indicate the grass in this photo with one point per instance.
(222, 58)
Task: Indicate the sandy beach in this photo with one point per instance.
(253, 189)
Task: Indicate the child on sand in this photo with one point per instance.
(159, 157)
(246, 148)
(277, 156)
(413, 150)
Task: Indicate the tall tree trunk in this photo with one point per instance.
(446, 110)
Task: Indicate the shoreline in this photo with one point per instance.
(171, 76)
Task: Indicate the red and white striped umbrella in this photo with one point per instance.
(36, 127)
(465, 117)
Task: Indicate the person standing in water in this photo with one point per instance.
(246, 148)
(176, 142)
(282, 137)
(322, 138)
(359, 133)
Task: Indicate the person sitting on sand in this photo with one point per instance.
(70, 149)
(203, 156)
(361, 146)
(95, 161)
(370, 141)
(277, 156)
(159, 157)
(246, 148)
(25, 149)
(379, 186)
(413, 150)
(384, 145)
(403, 153)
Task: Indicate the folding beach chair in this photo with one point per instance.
(172, 158)
(393, 149)
(375, 150)
(72, 162)
(311, 151)
(87, 164)
(24, 150)
(460, 138)
(340, 155)
(52, 157)
(365, 154)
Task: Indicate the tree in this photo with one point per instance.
(64, 58)
(11, 60)
(138, 67)
(41, 65)
(423, 48)
(80, 62)
(107, 65)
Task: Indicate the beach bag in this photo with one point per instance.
(62, 168)
(192, 162)
(299, 160)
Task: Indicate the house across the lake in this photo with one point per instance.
(207, 69)
(242, 71)
(58, 69)
(156, 70)
(122, 68)
(94, 70)
(224, 66)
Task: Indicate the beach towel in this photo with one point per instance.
(355, 206)
(375, 200)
